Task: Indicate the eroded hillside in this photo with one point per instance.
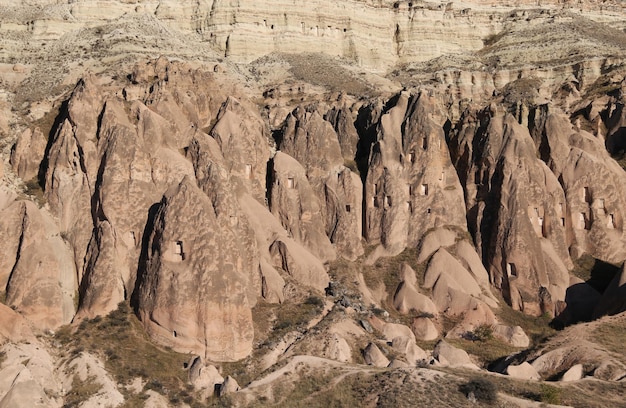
(225, 204)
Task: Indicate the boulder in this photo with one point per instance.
(407, 296)
(513, 335)
(338, 349)
(523, 371)
(455, 357)
(424, 329)
(406, 346)
(229, 386)
(435, 239)
(575, 373)
(391, 330)
(373, 356)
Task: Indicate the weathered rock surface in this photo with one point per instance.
(455, 357)
(575, 373)
(38, 272)
(280, 251)
(228, 386)
(409, 171)
(294, 202)
(424, 329)
(27, 153)
(509, 189)
(514, 336)
(13, 327)
(189, 298)
(373, 356)
(407, 297)
(406, 346)
(523, 371)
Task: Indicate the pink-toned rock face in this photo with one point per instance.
(243, 139)
(410, 176)
(516, 208)
(42, 280)
(312, 141)
(294, 202)
(194, 291)
(27, 153)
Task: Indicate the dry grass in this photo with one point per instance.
(81, 391)
(120, 341)
(537, 328)
(612, 336)
(326, 71)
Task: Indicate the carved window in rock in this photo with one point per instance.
(291, 182)
(586, 195)
(562, 222)
(442, 177)
(376, 191)
(601, 205)
(348, 208)
(375, 202)
(425, 143)
(511, 270)
(409, 207)
(583, 221)
(410, 157)
(179, 251)
(424, 189)
(132, 238)
(248, 171)
(610, 222)
(388, 201)
(428, 211)
(409, 190)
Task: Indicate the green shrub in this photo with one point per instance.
(484, 332)
(482, 389)
(550, 394)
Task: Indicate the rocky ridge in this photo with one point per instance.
(214, 198)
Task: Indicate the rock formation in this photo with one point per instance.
(304, 187)
(188, 298)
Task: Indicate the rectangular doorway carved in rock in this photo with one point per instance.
(610, 221)
(586, 195)
(178, 250)
(511, 270)
(388, 201)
